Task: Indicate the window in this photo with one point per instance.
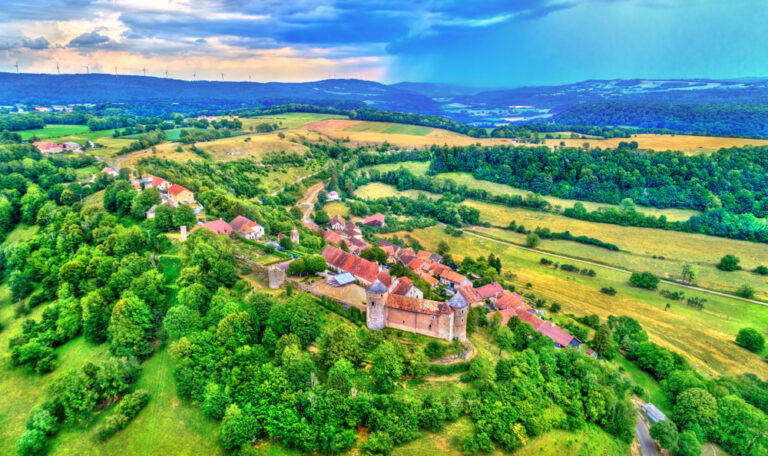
(433, 317)
(430, 326)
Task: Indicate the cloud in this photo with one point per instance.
(93, 38)
(35, 43)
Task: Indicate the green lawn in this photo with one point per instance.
(21, 233)
(416, 167)
(290, 119)
(54, 131)
(646, 380)
(391, 128)
(376, 190)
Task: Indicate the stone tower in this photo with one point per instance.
(276, 277)
(295, 236)
(460, 308)
(375, 305)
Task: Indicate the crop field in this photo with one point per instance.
(289, 119)
(376, 190)
(705, 336)
(390, 127)
(336, 208)
(54, 131)
(686, 143)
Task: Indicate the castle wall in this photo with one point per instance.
(441, 326)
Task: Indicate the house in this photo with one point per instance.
(424, 255)
(180, 195)
(469, 295)
(48, 147)
(421, 316)
(433, 282)
(247, 228)
(391, 250)
(356, 245)
(352, 230)
(653, 413)
(374, 220)
(592, 353)
(332, 196)
(452, 278)
(110, 170)
(218, 226)
(509, 300)
(559, 336)
(337, 223)
(333, 237)
(364, 271)
(490, 291)
(136, 186)
(157, 182)
(70, 146)
(405, 287)
(294, 236)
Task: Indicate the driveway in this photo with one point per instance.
(644, 437)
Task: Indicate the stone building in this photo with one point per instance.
(417, 315)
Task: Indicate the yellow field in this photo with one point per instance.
(238, 147)
(706, 337)
(289, 119)
(376, 190)
(336, 208)
(666, 142)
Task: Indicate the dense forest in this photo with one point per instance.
(722, 119)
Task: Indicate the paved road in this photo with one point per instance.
(644, 437)
(613, 268)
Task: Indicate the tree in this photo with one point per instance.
(532, 240)
(665, 432)
(341, 344)
(602, 342)
(130, 328)
(181, 320)
(321, 217)
(443, 248)
(341, 376)
(387, 367)
(688, 444)
(285, 243)
(746, 291)
(31, 443)
(696, 409)
(728, 263)
(315, 264)
(555, 307)
(689, 273)
(20, 285)
(375, 254)
(184, 216)
(297, 267)
(644, 280)
(751, 339)
(215, 402)
(73, 391)
(237, 428)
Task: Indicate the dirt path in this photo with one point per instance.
(309, 201)
(613, 268)
(303, 177)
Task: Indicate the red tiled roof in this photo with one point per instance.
(416, 263)
(509, 300)
(359, 267)
(337, 219)
(157, 181)
(175, 189)
(218, 226)
(452, 276)
(280, 236)
(529, 317)
(375, 218)
(239, 222)
(44, 145)
(333, 237)
(559, 335)
(469, 293)
(418, 305)
(408, 251)
(423, 254)
(490, 290)
(385, 278)
(403, 285)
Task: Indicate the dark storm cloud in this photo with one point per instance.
(35, 43)
(88, 39)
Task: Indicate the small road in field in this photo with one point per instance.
(309, 201)
(302, 178)
(644, 437)
(613, 268)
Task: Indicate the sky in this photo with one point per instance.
(477, 43)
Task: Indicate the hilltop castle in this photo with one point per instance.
(444, 320)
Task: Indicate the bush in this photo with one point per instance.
(644, 280)
(31, 443)
(728, 263)
(125, 411)
(448, 369)
(610, 291)
(762, 270)
(751, 339)
(532, 240)
(434, 350)
(745, 291)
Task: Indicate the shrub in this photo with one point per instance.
(728, 263)
(448, 369)
(434, 350)
(762, 270)
(125, 411)
(751, 339)
(745, 291)
(644, 280)
(610, 291)
(532, 240)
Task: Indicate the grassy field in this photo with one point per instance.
(54, 131)
(421, 168)
(685, 143)
(289, 119)
(336, 208)
(20, 233)
(391, 128)
(378, 190)
(706, 337)
(650, 249)
(646, 380)
(587, 442)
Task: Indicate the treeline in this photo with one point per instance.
(726, 410)
(144, 141)
(416, 119)
(528, 132)
(722, 119)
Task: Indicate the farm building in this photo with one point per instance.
(247, 228)
(180, 195)
(374, 220)
(110, 170)
(337, 223)
(217, 226)
(332, 196)
(364, 271)
(653, 413)
(490, 291)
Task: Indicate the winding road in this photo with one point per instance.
(613, 268)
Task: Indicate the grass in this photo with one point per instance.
(94, 199)
(646, 380)
(289, 119)
(706, 337)
(167, 425)
(376, 190)
(587, 442)
(389, 127)
(684, 143)
(336, 208)
(660, 251)
(54, 131)
(418, 168)
(21, 233)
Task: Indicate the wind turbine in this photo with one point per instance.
(166, 74)
(58, 71)
(17, 67)
(194, 76)
(222, 76)
(144, 70)
(87, 69)
(115, 71)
